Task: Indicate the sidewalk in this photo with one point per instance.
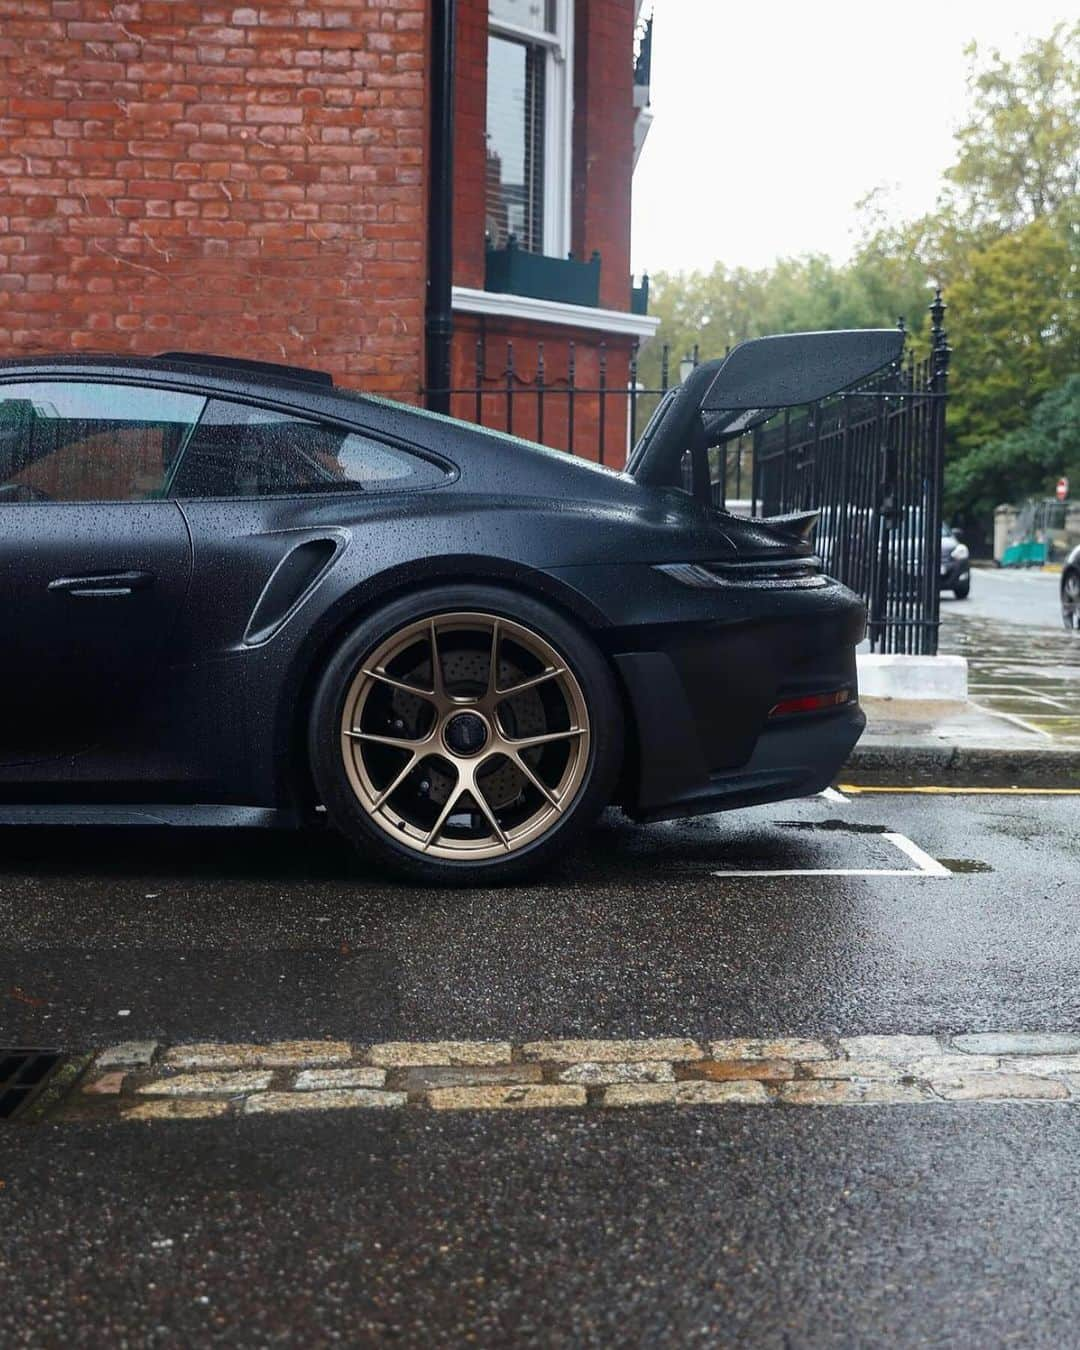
(911, 743)
(1020, 725)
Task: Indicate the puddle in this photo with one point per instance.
(844, 826)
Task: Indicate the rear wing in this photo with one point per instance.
(723, 399)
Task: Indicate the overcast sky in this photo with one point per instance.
(773, 117)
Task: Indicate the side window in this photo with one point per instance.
(76, 441)
(243, 451)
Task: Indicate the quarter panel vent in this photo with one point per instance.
(290, 584)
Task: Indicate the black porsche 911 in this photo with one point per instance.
(233, 594)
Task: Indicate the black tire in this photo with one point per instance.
(1070, 601)
(962, 589)
(580, 655)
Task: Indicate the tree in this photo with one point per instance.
(1019, 153)
(1025, 462)
(1015, 327)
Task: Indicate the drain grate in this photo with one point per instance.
(23, 1075)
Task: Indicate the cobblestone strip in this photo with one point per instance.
(141, 1080)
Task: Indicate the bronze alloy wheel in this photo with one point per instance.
(465, 736)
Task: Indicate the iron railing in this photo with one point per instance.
(871, 461)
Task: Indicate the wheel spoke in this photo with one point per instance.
(437, 688)
(481, 801)
(398, 742)
(552, 672)
(445, 813)
(381, 675)
(527, 741)
(537, 782)
(397, 781)
(493, 662)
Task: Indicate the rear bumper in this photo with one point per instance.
(952, 574)
(792, 759)
(701, 735)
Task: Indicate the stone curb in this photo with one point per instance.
(909, 763)
(787, 1071)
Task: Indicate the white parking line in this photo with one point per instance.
(925, 866)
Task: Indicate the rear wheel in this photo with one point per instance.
(962, 589)
(465, 734)
(1070, 601)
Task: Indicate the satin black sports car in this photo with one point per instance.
(236, 595)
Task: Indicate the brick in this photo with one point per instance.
(889, 1047)
(276, 1055)
(404, 1054)
(479, 1075)
(783, 1047)
(127, 1055)
(612, 1052)
(722, 1094)
(526, 1097)
(765, 1070)
(1018, 1043)
(640, 1094)
(175, 1110)
(981, 1087)
(1044, 1064)
(358, 1076)
(268, 1103)
(853, 1094)
(207, 1084)
(591, 1074)
(107, 1085)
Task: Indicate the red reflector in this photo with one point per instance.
(810, 703)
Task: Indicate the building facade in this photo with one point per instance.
(256, 181)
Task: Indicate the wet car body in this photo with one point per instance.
(955, 573)
(164, 651)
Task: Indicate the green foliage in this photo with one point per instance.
(1019, 153)
(1003, 242)
(1025, 462)
(1015, 329)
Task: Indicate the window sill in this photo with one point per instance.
(615, 321)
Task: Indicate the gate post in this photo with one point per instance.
(940, 352)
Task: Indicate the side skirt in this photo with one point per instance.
(191, 817)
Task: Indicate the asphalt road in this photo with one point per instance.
(1015, 595)
(928, 1225)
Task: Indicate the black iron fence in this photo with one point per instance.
(870, 460)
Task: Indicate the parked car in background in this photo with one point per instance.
(1070, 591)
(955, 563)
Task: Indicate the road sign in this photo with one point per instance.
(1062, 489)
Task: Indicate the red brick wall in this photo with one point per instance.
(246, 180)
(604, 141)
(591, 427)
(470, 142)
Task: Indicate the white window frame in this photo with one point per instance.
(558, 119)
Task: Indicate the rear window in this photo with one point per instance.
(239, 450)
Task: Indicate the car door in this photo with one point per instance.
(95, 563)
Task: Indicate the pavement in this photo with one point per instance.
(919, 1223)
(800, 1075)
(1021, 723)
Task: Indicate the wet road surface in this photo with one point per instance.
(925, 1225)
(1021, 661)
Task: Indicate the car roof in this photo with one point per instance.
(192, 367)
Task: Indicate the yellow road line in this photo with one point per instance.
(928, 791)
